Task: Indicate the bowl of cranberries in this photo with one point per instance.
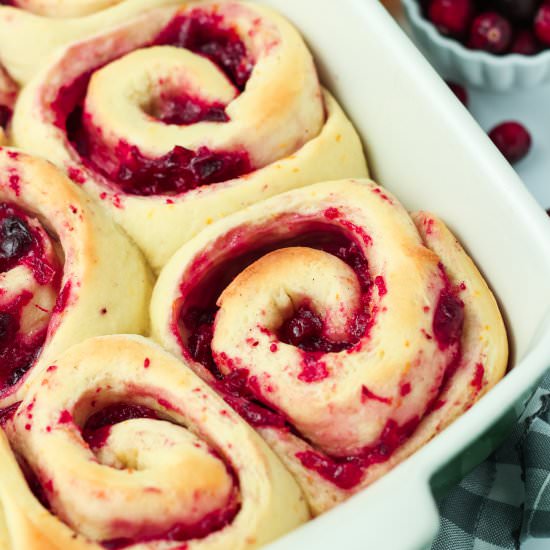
(494, 44)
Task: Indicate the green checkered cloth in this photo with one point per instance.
(506, 499)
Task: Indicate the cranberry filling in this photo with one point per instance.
(448, 319)
(305, 331)
(206, 34)
(184, 110)
(96, 429)
(236, 389)
(181, 169)
(20, 246)
(347, 472)
(215, 521)
(5, 115)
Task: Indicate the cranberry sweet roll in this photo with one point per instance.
(66, 271)
(119, 445)
(346, 334)
(182, 116)
(30, 30)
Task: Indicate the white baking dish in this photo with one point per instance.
(424, 147)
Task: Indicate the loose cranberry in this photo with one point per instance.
(512, 140)
(451, 17)
(519, 10)
(460, 92)
(15, 238)
(525, 43)
(542, 24)
(490, 32)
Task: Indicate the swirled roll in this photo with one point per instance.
(66, 271)
(184, 115)
(348, 333)
(119, 445)
(30, 30)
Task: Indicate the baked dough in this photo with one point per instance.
(173, 461)
(56, 23)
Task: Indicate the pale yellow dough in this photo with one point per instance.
(30, 33)
(399, 349)
(279, 120)
(105, 278)
(157, 471)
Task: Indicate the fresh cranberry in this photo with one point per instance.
(542, 24)
(15, 240)
(490, 32)
(448, 320)
(304, 325)
(519, 10)
(451, 17)
(5, 115)
(460, 92)
(512, 140)
(525, 43)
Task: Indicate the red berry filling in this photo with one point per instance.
(448, 319)
(215, 521)
(181, 169)
(184, 110)
(96, 429)
(347, 472)
(20, 245)
(512, 140)
(5, 116)
(206, 279)
(207, 34)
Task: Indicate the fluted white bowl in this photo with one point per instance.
(474, 67)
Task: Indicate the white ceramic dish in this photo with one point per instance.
(424, 147)
(477, 68)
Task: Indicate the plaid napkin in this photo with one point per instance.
(507, 498)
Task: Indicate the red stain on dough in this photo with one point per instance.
(368, 394)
